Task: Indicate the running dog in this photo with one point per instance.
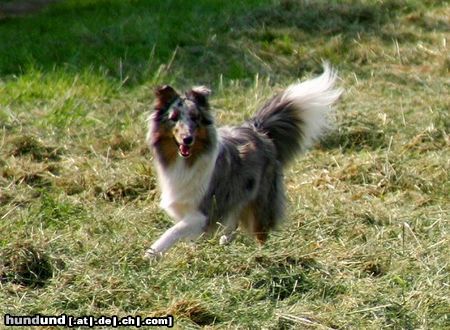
(213, 178)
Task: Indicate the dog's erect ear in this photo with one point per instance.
(164, 96)
(200, 95)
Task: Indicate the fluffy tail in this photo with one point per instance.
(297, 117)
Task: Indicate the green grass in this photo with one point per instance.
(366, 241)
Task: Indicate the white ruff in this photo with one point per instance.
(183, 187)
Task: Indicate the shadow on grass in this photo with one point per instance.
(10, 8)
(290, 276)
(131, 40)
(355, 135)
(26, 265)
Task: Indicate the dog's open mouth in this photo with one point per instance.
(184, 150)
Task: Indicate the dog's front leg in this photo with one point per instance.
(191, 226)
(229, 232)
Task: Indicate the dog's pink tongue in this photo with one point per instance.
(185, 151)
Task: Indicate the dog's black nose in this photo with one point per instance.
(188, 140)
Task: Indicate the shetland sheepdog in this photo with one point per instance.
(223, 178)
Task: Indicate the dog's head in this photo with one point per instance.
(184, 117)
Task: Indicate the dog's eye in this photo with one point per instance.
(206, 121)
(174, 115)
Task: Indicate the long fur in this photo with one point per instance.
(231, 176)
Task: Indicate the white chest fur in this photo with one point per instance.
(183, 187)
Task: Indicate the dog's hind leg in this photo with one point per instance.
(190, 227)
(250, 221)
(268, 208)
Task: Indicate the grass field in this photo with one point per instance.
(366, 242)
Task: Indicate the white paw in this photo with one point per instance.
(225, 240)
(151, 254)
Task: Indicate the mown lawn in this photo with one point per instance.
(366, 242)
